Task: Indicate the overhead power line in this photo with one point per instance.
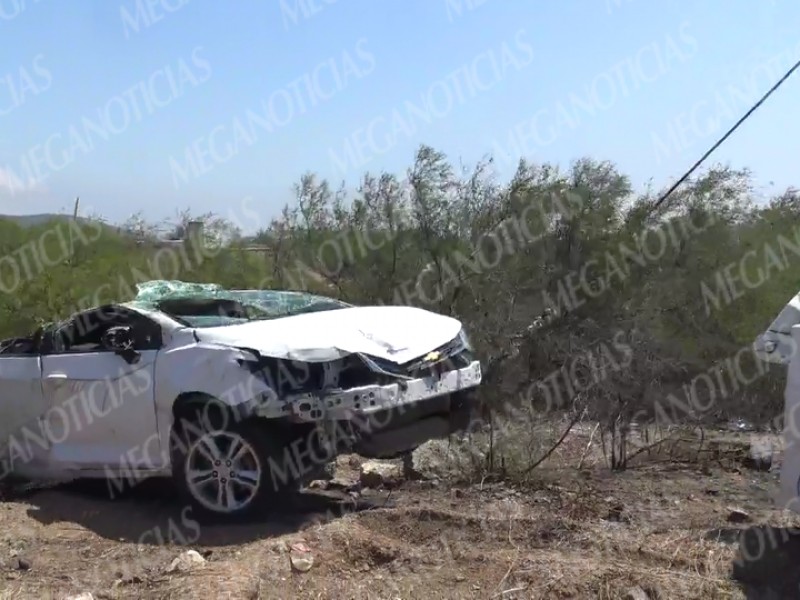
(746, 116)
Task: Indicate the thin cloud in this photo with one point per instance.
(9, 182)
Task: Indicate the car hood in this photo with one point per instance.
(394, 333)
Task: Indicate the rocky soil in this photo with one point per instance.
(661, 530)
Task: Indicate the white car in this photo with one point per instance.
(235, 395)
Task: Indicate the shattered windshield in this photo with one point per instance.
(210, 305)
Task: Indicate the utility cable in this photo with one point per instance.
(702, 159)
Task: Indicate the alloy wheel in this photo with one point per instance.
(223, 472)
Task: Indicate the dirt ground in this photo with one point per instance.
(660, 530)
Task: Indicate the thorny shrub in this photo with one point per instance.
(581, 298)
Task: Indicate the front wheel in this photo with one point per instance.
(232, 472)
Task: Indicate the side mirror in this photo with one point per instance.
(119, 340)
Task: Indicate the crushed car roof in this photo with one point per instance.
(276, 302)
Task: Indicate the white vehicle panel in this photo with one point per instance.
(100, 409)
(22, 405)
(789, 495)
(395, 333)
(778, 345)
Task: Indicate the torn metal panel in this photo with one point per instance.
(370, 399)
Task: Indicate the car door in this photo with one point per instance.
(101, 405)
(23, 444)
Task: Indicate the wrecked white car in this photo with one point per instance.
(235, 395)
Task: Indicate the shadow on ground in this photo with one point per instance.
(725, 535)
(151, 514)
(768, 563)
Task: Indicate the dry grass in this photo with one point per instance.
(565, 534)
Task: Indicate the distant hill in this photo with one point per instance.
(34, 220)
(41, 219)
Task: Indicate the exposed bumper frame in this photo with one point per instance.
(366, 400)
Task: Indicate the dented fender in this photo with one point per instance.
(213, 370)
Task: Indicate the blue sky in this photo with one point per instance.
(102, 99)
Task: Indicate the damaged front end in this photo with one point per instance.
(370, 405)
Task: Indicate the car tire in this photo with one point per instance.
(264, 483)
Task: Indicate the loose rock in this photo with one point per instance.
(760, 456)
(375, 474)
(186, 561)
(636, 593)
(737, 515)
(301, 558)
